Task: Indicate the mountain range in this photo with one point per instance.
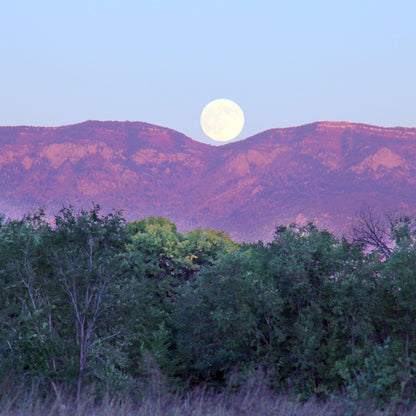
(325, 172)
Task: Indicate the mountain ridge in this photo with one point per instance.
(321, 171)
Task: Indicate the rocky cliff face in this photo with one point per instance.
(326, 172)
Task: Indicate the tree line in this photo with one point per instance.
(89, 299)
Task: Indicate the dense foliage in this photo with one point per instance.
(92, 300)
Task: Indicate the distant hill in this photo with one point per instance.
(324, 171)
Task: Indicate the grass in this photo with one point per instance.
(198, 402)
(252, 398)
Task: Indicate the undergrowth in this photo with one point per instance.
(251, 398)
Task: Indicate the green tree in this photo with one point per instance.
(163, 260)
(29, 298)
(312, 271)
(399, 311)
(85, 253)
(216, 318)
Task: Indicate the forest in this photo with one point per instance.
(93, 304)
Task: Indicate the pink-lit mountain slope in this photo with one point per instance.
(325, 171)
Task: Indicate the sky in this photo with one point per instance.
(285, 63)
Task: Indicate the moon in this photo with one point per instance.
(222, 120)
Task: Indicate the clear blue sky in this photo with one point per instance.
(284, 62)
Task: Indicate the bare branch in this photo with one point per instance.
(373, 233)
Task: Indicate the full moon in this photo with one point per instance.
(222, 120)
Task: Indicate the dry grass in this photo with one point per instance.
(252, 398)
(198, 402)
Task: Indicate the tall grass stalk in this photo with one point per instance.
(252, 398)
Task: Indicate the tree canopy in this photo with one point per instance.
(85, 301)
